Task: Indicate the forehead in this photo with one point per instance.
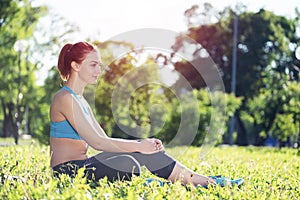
(92, 56)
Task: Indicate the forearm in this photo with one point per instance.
(118, 145)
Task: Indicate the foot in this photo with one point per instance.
(151, 181)
(223, 181)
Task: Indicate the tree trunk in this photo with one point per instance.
(5, 132)
(256, 138)
(12, 122)
(242, 138)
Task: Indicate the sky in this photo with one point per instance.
(99, 19)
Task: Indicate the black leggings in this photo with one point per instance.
(118, 166)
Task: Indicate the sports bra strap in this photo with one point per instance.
(76, 97)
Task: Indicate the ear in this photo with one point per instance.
(75, 66)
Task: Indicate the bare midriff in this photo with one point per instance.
(64, 149)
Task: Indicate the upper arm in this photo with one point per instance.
(96, 124)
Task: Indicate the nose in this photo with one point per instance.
(98, 70)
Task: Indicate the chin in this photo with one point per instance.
(94, 82)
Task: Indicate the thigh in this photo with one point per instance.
(105, 155)
(159, 159)
(112, 166)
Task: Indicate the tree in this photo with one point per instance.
(208, 131)
(276, 111)
(264, 44)
(18, 20)
(264, 40)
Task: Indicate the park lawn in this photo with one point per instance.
(269, 173)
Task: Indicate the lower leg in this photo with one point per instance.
(187, 176)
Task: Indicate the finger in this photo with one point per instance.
(155, 140)
(158, 149)
(160, 145)
(158, 141)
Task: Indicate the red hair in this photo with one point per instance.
(72, 52)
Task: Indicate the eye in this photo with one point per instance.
(94, 64)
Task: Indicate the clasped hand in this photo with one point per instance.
(151, 145)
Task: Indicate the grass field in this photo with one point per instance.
(268, 173)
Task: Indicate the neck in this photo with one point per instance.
(76, 86)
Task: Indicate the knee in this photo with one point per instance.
(129, 164)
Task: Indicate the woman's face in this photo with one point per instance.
(89, 70)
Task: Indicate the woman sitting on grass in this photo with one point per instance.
(74, 128)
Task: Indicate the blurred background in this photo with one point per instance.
(255, 48)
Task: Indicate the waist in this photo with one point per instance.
(65, 149)
(59, 161)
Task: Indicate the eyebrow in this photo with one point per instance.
(93, 61)
(97, 62)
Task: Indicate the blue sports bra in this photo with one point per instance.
(64, 129)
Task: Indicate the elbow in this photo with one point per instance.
(100, 144)
(97, 146)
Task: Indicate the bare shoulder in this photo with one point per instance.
(60, 104)
(62, 97)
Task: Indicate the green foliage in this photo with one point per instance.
(265, 53)
(218, 105)
(134, 100)
(284, 127)
(275, 111)
(268, 174)
(18, 20)
(117, 67)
